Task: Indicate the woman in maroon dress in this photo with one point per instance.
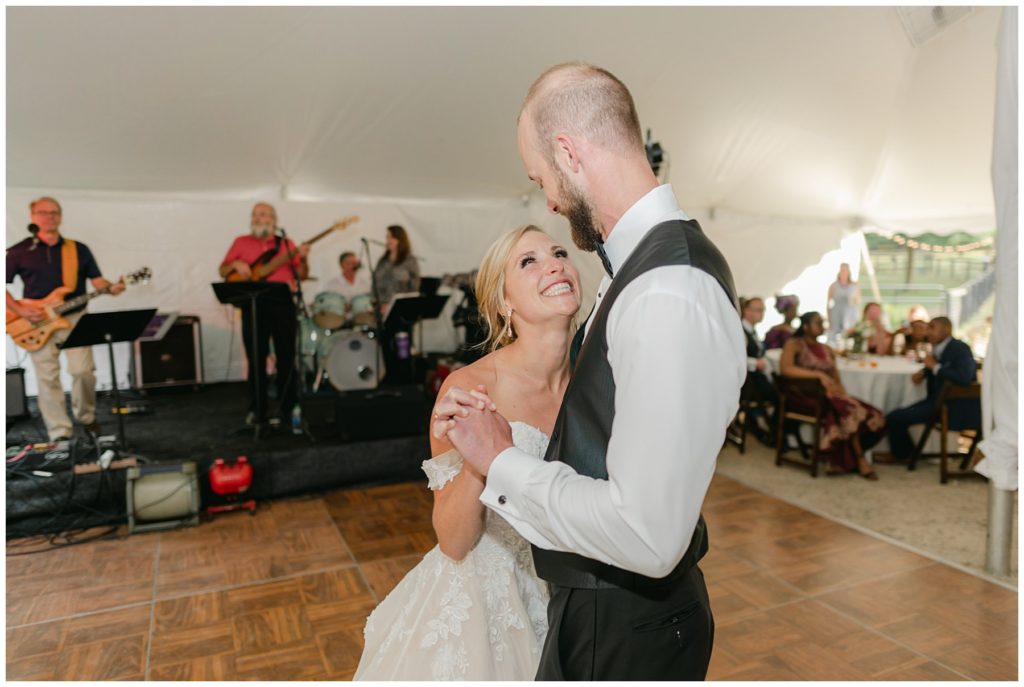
(850, 425)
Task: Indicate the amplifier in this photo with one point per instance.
(17, 403)
(175, 359)
(382, 413)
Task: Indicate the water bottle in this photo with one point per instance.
(297, 419)
(402, 345)
(899, 342)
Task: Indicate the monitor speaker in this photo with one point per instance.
(17, 402)
(382, 413)
(174, 360)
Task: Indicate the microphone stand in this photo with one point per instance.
(301, 314)
(376, 305)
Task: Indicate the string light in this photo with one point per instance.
(901, 240)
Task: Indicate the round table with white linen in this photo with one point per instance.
(882, 381)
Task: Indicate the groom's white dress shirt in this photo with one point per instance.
(678, 356)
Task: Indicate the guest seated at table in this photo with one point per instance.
(950, 361)
(850, 426)
(914, 330)
(778, 335)
(913, 336)
(758, 369)
(871, 330)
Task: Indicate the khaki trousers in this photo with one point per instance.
(51, 394)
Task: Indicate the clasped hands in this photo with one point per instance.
(471, 422)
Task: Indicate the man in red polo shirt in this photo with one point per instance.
(275, 318)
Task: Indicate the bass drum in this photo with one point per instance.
(329, 310)
(351, 361)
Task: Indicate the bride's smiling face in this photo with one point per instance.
(540, 279)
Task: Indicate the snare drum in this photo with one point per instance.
(362, 311)
(351, 360)
(329, 310)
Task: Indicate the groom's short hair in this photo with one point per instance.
(583, 100)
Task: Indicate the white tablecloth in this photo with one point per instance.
(884, 382)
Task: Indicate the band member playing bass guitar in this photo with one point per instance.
(264, 255)
(45, 262)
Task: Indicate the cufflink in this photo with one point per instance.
(502, 500)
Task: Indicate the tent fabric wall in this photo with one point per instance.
(184, 239)
(999, 380)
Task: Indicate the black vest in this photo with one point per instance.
(583, 427)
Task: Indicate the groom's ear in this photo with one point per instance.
(566, 153)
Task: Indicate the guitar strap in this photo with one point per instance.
(69, 263)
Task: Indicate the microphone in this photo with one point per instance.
(33, 228)
(373, 241)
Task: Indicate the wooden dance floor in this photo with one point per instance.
(282, 595)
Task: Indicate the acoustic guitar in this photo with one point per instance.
(270, 260)
(33, 335)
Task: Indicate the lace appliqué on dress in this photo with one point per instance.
(481, 618)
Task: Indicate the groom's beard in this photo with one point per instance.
(577, 209)
(261, 231)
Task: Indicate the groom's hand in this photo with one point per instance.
(479, 436)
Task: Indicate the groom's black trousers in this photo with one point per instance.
(656, 633)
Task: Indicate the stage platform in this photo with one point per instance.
(200, 425)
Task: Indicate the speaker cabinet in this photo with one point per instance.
(17, 403)
(382, 413)
(174, 360)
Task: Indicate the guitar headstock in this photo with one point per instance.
(141, 276)
(344, 223)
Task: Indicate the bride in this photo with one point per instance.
(473, 608)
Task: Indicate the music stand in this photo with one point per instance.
(410, 310)
(110, 328)
(239, 294)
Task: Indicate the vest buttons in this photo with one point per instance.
(502, 500)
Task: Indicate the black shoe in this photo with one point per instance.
(93, 428)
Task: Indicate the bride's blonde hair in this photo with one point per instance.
(490, 290)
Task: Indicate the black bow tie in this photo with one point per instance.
(604, 259)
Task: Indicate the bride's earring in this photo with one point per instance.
(507, 334)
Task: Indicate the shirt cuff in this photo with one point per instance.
(935, 368)
(752, 364)
(505, 480)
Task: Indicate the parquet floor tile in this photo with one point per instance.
(284, 594)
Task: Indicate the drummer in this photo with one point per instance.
(352, 282)
(354, 287)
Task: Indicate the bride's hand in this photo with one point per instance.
(456, 402)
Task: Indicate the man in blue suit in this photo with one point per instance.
(951, 360)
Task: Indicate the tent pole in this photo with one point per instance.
(1000, 531)
(866, 256)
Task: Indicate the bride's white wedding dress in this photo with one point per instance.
(481, 618)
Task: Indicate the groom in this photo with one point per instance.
(613, 510)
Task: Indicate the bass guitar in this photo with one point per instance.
(33, 335)
(270, 260)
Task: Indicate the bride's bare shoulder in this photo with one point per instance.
(481, 371)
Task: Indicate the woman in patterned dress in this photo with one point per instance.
(851, 426)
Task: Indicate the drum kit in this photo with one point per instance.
(340, 342)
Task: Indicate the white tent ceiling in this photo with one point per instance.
(797, 112)
(785, 129)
